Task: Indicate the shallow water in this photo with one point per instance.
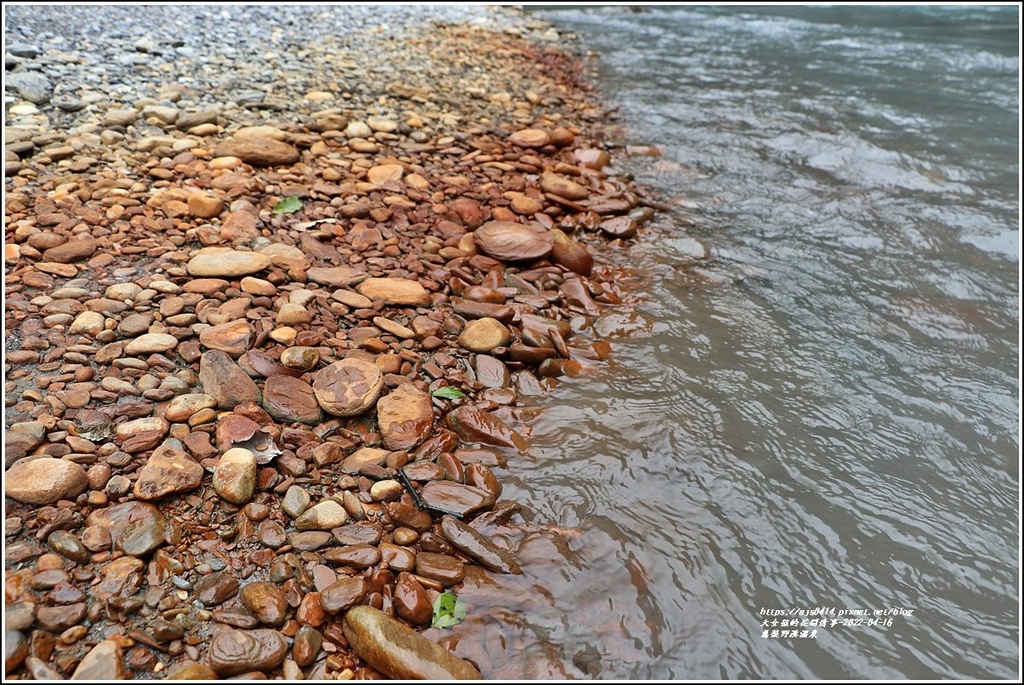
(825, 413)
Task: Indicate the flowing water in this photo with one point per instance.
(825, 413)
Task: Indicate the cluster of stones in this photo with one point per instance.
(226, 451)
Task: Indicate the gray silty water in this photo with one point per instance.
(826, 414)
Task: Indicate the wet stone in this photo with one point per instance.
(267, 601)
(474, 425)
(271, 534)
(400, 652)
(444, 568)
(67, 545)
(354, 556)
(345, 593)
(310, 540)
(396, 557)
(491, 372)
(477, 547)
(306, 646)
(410, 516)
(361, 533)
(237, 617)
(309, 611)
(233, 652)
(411, 601)
(456, 498)
(324, 516)
(135, 527)
(215, 588)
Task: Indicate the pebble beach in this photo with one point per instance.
(284, 286)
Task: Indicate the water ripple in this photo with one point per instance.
(830, 417)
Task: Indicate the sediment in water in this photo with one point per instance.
(198, 231)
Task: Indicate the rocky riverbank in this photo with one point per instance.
(277, 282)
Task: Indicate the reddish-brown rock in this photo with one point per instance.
(233, 337)
(289, 400)
(405, 417)
(72, 251)
(168, 471)
(509, 241)
(258, 151)
(223, 380)
(474, 425)
(348, 387)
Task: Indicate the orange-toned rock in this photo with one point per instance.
(562, 137)
(383, 173)
(483, 335)
(509, 241)
(397, 291)
(559, 185)
(232, 337)
(405, 417)
(530, 138)
(204, 206)
(570, 254)
(398, 651)
(222, 261)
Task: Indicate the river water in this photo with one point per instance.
(825, 412)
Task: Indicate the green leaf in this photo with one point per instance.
(448, 610)
(288, 205)
(448, 393)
